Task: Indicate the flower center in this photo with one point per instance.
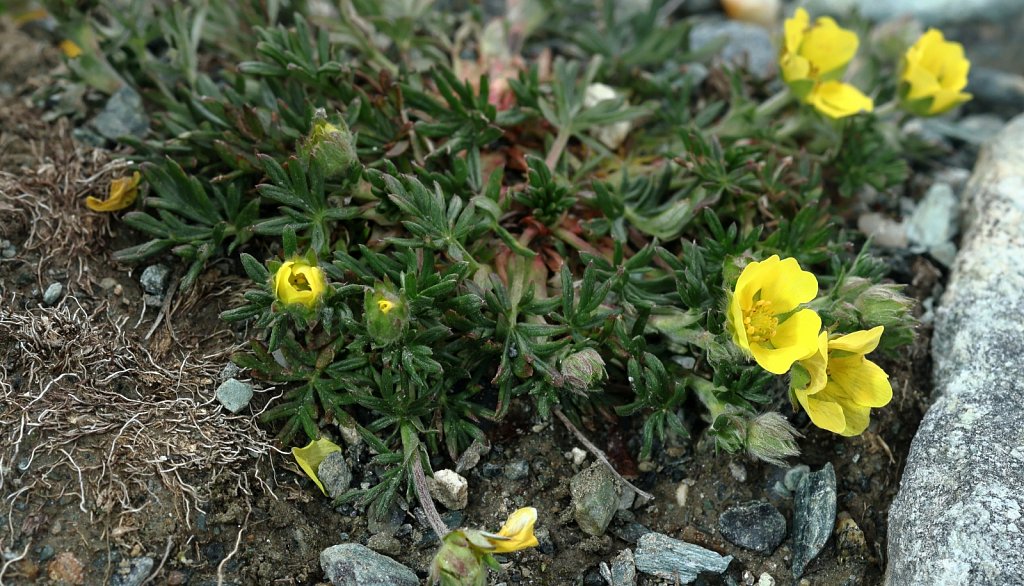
(760, 322)
(298, 282)
(385, 306)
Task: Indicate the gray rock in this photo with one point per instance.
(630, 532)
(933, 224)
(595, 498)
(52, 293)
(450, 489)
(959, 515)
(138, 571)
(384, 522)
(234, 395)
(230, 370)
(997, 91)
(352, 564)
(814, 515)
(8, 250)
(884, 231)
(746, 44)
(123, 115)
(929, 12)
(622, 571)
(671, 559)
(758, 526)
(517, 470)
(154, 279)
(334, 474)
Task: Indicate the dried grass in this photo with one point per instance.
(86, 411)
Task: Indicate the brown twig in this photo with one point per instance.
(419, 479)
(600, 455)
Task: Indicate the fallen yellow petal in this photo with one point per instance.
(310, 457)
(123, 192)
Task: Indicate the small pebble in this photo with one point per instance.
(450, 489)
(578, 456)
(738, 471)
(234, 395)
(517, 470)
(52, 294)
(154, 279)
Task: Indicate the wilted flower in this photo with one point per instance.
(764, 313)
(934, 75)
(310, 457)
(122, 194)
(840, 385)
(814, 58)
(330, 144)
(386, 312)
(298, 282)
(466, 553)
(771, 438)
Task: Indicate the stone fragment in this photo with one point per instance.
(676, 561)
(334, 474)
(52, 294)
(234, 395)
(814, 515)
(135, 574)
(123, 115)
(959, 515)
(450, 489)
(595, 498)
(757, 526)
(933, 224)
(352, 564)
(622, 571)
(154, 279)
(746, 44)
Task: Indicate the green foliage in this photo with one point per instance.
(482, 248)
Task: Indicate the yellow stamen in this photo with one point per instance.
(760, 322)
(385, 306)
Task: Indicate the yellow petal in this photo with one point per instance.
(946, 100)
(836, 99)
(795, 339)
(857, 420)
(310, 457)
(860, 381)
(735, 319)
(518, 530)
(922, 82)
(817, 366)
(825, 414)
(70, 49)
(828, 47)
(794, 68)
(862, 342)
(300, 271)
(122, 193)
(793, 30)
(788, 285)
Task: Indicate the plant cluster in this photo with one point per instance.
(437, 225)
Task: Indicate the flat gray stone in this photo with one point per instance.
(814, 516)
(929, 12)
(234, 394)
(622, 571)
(675, 560)
(757, 526)
(934, 223)
(353, 564)
(745, 44)
(959, 515)
(123, 115)
(136, 573)
(595, 498)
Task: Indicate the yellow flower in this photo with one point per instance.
(765, 316)
(934, 75)
(385, 306)
(300, 283)
(844, 385)
(310, 457)
(813, 59)
(516, 533)
(122, 194)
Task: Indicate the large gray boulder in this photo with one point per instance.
(959, 515)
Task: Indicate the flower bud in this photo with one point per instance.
(330, 144)
(458, 563)
(771, 438)
(387, 314)
(583, 370)
(885, 305)
(300, 283)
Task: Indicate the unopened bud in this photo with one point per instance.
(387, 314)
(458, 563)
(330, 144)
(771, 438)
(583, 370)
